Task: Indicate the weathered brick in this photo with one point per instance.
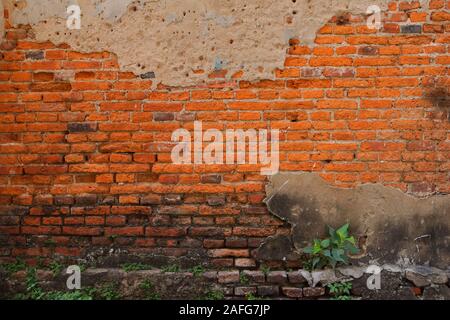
(86, 200)
(172, 199)
(151, 199)
(221, 253)
(163, 116)
(313, 292)
(228, 276)
(244, 263)
(35, 55)
(82, 127)
(215, 200)
(243, 291)
(292, 292)
(212, 178)
(268, 291)
(295, 277)
(277, 277)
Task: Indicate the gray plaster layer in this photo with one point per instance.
(177, 38)
(392, 227)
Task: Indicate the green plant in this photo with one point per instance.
(112, 237)
(14, 267)
(214, 295)
(68, 295)
(127, 267)
(148, 290)
(251, 296)
(55, 267)
(108, 291)
(332, 250)
(171, 268)
(34, 291)
(83, 266)
(197, 270)
(340, 290)
(243, 279)
(307, 265)
(265, 269)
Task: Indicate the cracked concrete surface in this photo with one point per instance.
(392, 227)
(182, 41)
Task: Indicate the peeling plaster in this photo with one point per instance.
(393, 227)
(174, 38)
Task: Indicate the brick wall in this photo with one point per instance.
(85, 148)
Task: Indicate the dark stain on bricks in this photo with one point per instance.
(14, 210)
(86, 200)
(82, 127)
(343, 19)
(163, 116)
(368, 51)
(63, 200)
(440, 98)
(35, 55)
(49, 210)
(148, 75)
(413, 28)
(211, 178)
(215, 200)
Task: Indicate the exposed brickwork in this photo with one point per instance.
(85, 148)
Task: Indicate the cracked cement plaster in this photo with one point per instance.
(392, 227)
(176, 39)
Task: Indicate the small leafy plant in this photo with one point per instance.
(109, 291)
(55, 267)
(251, 296)
(127, 267)
(243, 279)
(197, 270)
(14, 267)
(340, 290)
(332, 250)
(171, 268)
(148, 290)
(265, 269)
(214, 295)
